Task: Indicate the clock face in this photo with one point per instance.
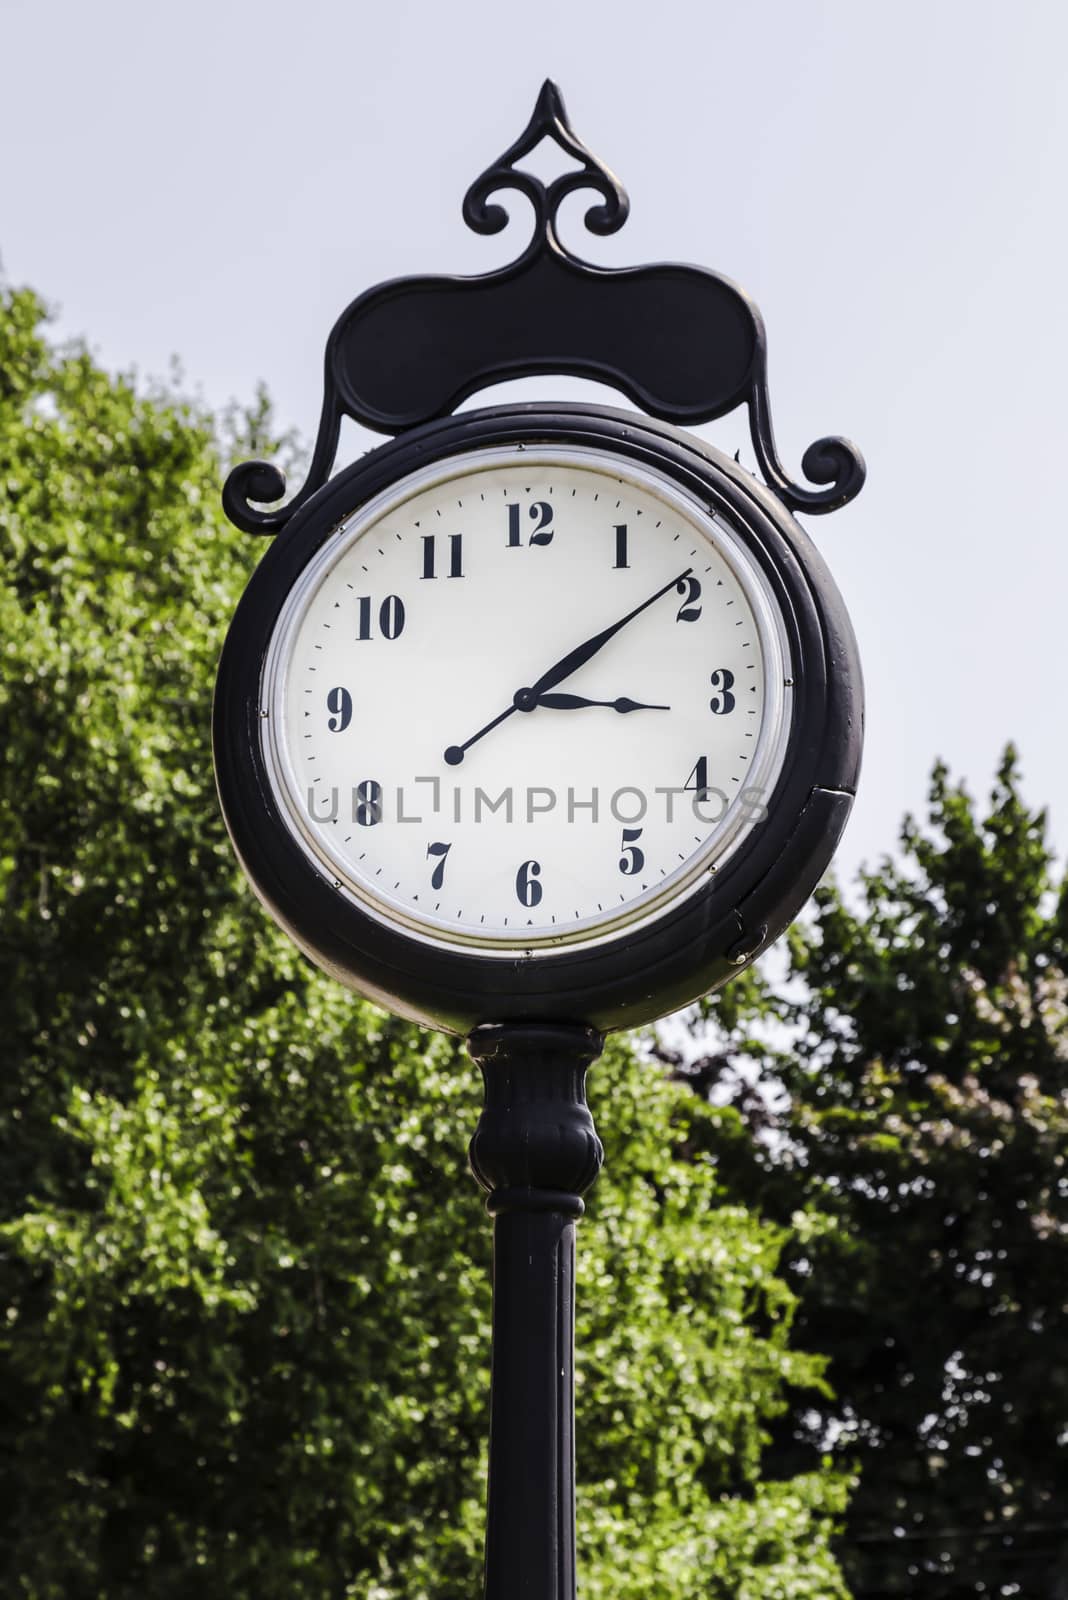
(526, 698)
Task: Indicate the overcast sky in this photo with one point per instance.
(216, 180)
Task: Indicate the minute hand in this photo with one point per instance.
(584, 652)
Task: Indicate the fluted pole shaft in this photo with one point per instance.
(536, 1152)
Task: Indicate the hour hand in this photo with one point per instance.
(574, 702)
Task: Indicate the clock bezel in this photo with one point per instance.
(688, 947)
(727, 835)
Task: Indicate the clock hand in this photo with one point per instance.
(527, 699)
(574, 702)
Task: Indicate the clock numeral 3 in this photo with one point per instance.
(441, 851)
(632, 860)
(527, 886)
(339, 704)
(723, 702)
(368, 808)
(689, 611)
(456, 555)
(542, 513)
(390, 617)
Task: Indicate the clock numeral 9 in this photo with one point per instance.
(632, 860)
(527, 886)
(689, 611)
(390, 617)
(368, 808)
(441, 851)
(339, 704)
(723, 702)
(542, 512)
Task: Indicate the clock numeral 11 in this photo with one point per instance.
(456, 555)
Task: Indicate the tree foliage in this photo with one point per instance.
(911, 1098)
(244, 1270)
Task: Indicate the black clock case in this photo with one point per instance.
(693, 948)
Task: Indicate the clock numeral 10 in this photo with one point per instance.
(542, 513)
(632, 860)
(339, 704)
(441, 851)
(527, 886)
(390, 617)
(456, 555)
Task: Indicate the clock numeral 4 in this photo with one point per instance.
(339, 705)
(689, 611)
(456, 555)
(527, 886)
(441, 851)
(541, 512)
(368, 807)
(390, 617)
(698, 779)
(723, 702)
(632, 860)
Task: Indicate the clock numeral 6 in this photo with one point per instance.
(339, 704)
(723, 702)
(542, 513)
(441, 851)
(527, 886)
(689, 611)
(390, 617)
(632, 860)
(368, 808)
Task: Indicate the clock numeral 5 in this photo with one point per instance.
(688, 611)
(390, 617)
(632, 860)
(723, 702)
(339, 704)
(527, 886)
(542, 513)
(456, 555)
(437, 877)
(368, 808)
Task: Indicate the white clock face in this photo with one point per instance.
(525, 698)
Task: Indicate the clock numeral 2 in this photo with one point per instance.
(723, 702)
(527, 886)
(689, 611)
(456, 555)
(339, 704)
(390, 617)
(632, 860)
(437, 877)
(368, 808)
(542, 512)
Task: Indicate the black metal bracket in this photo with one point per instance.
(683, 343)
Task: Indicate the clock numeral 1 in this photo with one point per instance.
(689, 611)
(368, 808)
(541, 512)
(632, 860)
(339, 704)
(456, 555)
(621, 545)
(390, 617)
(527, 886)
(441, 851)
(723, 702)
(698, 779)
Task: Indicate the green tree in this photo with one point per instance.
(911, 1098)
(245, 1274)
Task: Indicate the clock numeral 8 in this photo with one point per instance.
(390, 617)
(527, 886)
(368, 808)
(339, 704)
(543, 534)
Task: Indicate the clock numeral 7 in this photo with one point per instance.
(437, 877)
(541, 512)
(632, 860)
(527, 886)
(390, 617)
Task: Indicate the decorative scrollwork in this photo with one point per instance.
(549, 121)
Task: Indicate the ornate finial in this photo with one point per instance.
(549, 121)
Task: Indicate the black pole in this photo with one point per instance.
(535, 1151)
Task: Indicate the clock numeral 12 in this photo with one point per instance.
(456, 555)
(390, 617)
(542, 512)
(441, 851)
(527, 886)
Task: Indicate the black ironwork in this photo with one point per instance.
(535, 1152)
(684, 343)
